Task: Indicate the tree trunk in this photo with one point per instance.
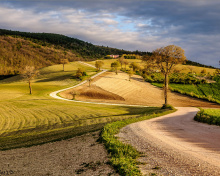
(30, 86)
(166, 88)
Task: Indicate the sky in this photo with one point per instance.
(142, 25)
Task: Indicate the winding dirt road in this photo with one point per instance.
(176, 144)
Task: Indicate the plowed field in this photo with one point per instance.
(119, 89)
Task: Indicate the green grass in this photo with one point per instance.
(27, 120)
(123, 156)
(210, 116)
(210, 92)
(107, 62)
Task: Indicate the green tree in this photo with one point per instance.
(134, 66)
(166, 58)
(115, 65)
(130, 73)
(29, 73)
(80, 72)
(121, 60)
(126, 63)
(99, 64)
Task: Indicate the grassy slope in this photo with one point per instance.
(182, 68)
(210, 92)
(107, 62)
(27, 120)
(16, 53)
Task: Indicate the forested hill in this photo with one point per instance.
(82, 49)
(16, 53)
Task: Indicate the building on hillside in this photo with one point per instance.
(114, 56)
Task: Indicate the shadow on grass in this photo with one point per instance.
(28, 140)
(57, 78)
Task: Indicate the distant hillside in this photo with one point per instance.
(18, 49)
(82, 49)
(188, 62)
(16, 53)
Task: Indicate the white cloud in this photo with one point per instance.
(146, 32)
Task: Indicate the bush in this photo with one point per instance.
(167, 107)
(80, 73)
(210, 116)
(179, 78)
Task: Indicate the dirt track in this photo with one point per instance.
(177, 144)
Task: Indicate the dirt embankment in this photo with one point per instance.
(81, 155)
(113, 88)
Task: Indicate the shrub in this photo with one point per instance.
(210, 116)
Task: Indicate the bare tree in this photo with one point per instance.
(74, 93)
(166, 58)
(29, 73)
(89, 80)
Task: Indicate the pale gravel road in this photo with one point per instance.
(177, 144)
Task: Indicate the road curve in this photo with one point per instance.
(55, 94)
(178, 144)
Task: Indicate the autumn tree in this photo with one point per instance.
(99, 64)
(130, 73)
(126, 63)
(64, 61)
(121, 60)
(115, 65)
(166, 58)
(80, 73)
(134, 66)
(29, 73)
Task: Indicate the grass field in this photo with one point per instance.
(27, 120)
(210, 116)
(107, 62)
(210, 92)
(182, 68)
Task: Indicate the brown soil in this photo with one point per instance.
(113, 88)
(81, 155)
(85, 92)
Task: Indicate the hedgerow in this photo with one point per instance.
(123, 156)
(210, 116)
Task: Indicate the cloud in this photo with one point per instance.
(132, 25)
